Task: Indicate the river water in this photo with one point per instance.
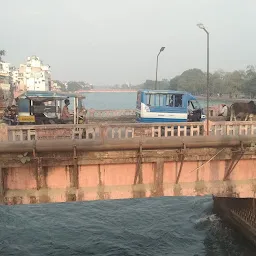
(122, 100)
(155, 226)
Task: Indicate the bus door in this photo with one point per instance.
(176, 107)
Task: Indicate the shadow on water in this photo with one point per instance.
(153, 226)
(220, 237)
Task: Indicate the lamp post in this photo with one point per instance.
(162, 48)
(201, 26)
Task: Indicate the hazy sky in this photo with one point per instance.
(114, 41)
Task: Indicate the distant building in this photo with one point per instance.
(55, 86)
(34, 76)
(15, 76)
(5, 92)
(5, 75)
(4, 68)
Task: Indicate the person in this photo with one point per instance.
(224, 110)
(178, 102)
(82, 116)
(65, 112)
(10, 115)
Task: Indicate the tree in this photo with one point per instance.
(149, 84)
(2, 53)
(216, 82)
(250, 87)
(174, 83)
(233, 82)
(74, 86)
(192, 80)
(61, 85)
(250, 71)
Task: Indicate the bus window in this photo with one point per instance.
(159, 100)
(178, 100)
(148, 99)
(174, 100)
(190, 106)
(193, 105)
(196, 104)
(156, 100)
(24, 105)
(169, 100)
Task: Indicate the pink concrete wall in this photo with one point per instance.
(20, 178)
(112, 181)
(88, 176)
(58, 177)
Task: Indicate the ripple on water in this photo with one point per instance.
(154, 226)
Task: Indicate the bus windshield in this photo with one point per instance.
(193, 105)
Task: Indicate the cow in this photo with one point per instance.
(246, 110)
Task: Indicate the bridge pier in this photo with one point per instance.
(2, 189)
(239, 212)
(158, 172)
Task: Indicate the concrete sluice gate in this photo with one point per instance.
(47, 164)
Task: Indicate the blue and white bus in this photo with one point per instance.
(167, 106)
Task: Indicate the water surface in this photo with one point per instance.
(122, 100)
(155, 226)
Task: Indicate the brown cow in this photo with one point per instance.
(242, 108)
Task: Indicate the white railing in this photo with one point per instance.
(233, 128)
(126, 130)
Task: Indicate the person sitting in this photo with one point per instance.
(65, 115)
(10, 116)
(178, 101)
(224, 110)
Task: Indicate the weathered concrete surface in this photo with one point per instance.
(127, 144)
(240, 213)
(97, 175)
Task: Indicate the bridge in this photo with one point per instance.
(61, 163)
(89, 162)
(106, 90)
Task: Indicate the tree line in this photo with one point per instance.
(234, 84)
(192, 80)
(73, 85)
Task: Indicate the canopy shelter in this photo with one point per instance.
(46, 106)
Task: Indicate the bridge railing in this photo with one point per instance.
(127, 113)
(233, 128)
(106, 114)
(125, 130)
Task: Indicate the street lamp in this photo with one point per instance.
(201, 26)
(162, 48)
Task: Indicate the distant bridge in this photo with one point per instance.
(107, 90)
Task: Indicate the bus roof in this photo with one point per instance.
(190, 96)
(48, 95)
(163, 91)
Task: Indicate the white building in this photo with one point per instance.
(34, 76)
(4, 86)
(4, 68)
(15, 76)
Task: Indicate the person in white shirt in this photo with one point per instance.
(224, 111)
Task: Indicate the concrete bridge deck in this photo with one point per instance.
(41, 164)
(89, 162)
